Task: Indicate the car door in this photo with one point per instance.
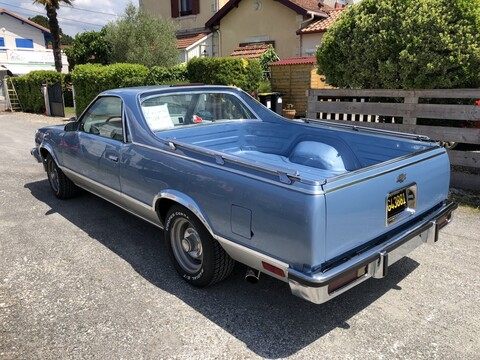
(94, 151)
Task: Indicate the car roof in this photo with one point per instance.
(148, 89)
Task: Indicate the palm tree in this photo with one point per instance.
(52, 6)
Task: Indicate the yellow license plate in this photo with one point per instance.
(396, 203)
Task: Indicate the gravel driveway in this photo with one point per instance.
(84, 279)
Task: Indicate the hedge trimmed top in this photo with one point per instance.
(91, 79)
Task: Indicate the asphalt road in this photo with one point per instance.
(82, 279)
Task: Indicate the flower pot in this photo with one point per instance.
(289, 113)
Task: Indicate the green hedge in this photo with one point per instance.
(91, 79)
(159, 75)
(243, 73)
(29, 88)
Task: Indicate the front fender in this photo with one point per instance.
(184, 200)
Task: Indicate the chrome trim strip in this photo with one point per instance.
(314, 287)
(330, 180)
(252, 258)
(242, 173)
(115, 193)
(367, 129)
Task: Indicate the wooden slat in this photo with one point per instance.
(463, 135)
(464, 158)
(465, 181)
(430, 111)
(436, 93)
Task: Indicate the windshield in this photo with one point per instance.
(169, 111)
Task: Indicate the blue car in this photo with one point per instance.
(322, 206)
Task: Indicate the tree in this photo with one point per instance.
(43, 21)
(51, 6)
(141, 38)
(404, 44)
(266, 58)
(89, 47)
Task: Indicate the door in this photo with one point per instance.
(94, 151)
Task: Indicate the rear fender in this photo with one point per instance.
(172, 196)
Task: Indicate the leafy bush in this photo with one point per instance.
(91, 79)
(245, 74)
(266, 58)
(159, 75)
(29, 89)
(404, 44)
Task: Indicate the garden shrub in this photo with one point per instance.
(243, 73)
(29, 89)
(91, 79)
(159, 75)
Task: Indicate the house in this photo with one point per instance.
(189, 16)
(23, 46)
(221, 28)
(312, 33)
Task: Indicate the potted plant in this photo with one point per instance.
(289, 111)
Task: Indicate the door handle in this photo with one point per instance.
(113, 158)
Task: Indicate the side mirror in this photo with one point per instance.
(72, 126)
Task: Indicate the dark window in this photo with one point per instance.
(184, 7)
(24, 43)
(2, 42)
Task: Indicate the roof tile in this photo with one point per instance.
(305, 60)
(184, 41)
(322, 25)
(250, 51)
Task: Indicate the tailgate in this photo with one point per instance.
(364, 205)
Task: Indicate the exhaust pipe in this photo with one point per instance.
(252, 276)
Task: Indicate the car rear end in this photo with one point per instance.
(375, 216)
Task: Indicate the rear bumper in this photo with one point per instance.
(322, 286)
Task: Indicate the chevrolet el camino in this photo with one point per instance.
(319, 205)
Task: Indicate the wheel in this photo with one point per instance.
(195, 254)
(62, 187)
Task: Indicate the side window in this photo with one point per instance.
(104, 118)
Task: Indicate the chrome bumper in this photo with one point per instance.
(36, 154)
(322, 286)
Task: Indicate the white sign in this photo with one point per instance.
(30, 57)
(158, 118)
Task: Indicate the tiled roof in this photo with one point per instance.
(305, 60)
(25, 20)
(322, 25)
(311, 5)
(250, 51)
(184, 41)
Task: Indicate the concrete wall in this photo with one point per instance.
(11, 28)
(310, 43)
(272, 21)
(163, 8)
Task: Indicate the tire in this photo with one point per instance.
(62, 187)
(196, 255)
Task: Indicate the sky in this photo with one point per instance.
(85, 15)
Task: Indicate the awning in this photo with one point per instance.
(22, 69)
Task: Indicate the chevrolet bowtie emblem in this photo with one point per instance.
(401, 178)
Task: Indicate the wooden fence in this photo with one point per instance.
(424, 112)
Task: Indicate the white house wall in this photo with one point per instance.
(11, 28)
(310, 42)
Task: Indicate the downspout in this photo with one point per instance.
(219, 42)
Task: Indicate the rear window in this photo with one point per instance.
(169, 111)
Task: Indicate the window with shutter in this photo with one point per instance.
(175, 8)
